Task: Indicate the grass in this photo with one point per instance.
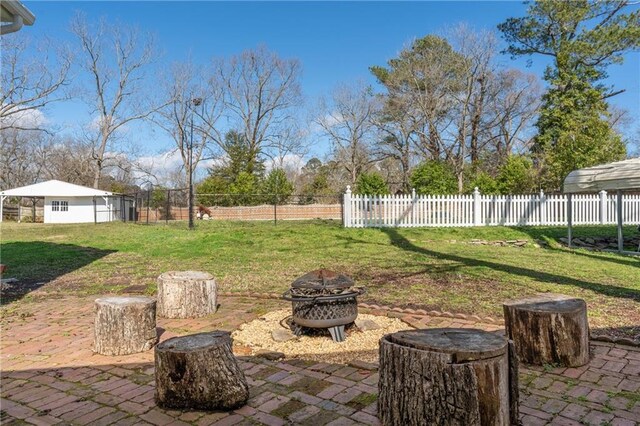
(427, 268)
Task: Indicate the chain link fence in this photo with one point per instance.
(164, 205)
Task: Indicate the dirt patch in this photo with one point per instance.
(358, 345)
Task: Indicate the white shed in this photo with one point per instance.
(69, 203)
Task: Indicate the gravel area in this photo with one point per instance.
(358, 345)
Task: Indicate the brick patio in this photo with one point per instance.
(50, 375)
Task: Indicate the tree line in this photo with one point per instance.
(446, 115)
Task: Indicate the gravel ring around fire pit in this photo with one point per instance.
(359, 345)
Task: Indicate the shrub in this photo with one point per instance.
(517, 176)
(484, 182)
(371, 184)
(434, 177)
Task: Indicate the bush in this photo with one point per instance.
(434, 177)
(517, 176)
(371, 184)
(484, 182)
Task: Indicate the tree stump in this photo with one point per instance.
(186, 294)
(199, 371)
(124, 325)
(447, 376)
(549, 329)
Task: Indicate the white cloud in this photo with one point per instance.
(29, 119)
(290, 162)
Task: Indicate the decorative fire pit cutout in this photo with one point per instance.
(323, 299)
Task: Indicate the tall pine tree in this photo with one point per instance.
(582, 38)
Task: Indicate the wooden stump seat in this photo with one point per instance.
(549, 329)
(124, 325)
(199, 371)
(447, 376)
(186, 294)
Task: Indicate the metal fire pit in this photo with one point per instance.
(323, 299)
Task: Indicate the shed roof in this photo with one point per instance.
(55, 188)
(623, 175)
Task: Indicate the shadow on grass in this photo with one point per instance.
(552, 238)
(34, 263)
(400, 241)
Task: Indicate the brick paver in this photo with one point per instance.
(50, 375)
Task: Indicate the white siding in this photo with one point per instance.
(81, 210)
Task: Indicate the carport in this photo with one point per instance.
(619, 176)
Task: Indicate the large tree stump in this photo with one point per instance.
(447, 376)
(199, 371)
(186, 294)
(124, 325)
(549, 329)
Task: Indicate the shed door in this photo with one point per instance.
(60, 210)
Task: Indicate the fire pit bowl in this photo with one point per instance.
(323, 299)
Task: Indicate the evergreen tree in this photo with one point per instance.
(237, 177)
(583, 38)
(276, 187)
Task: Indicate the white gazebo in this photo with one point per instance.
(69, 203)
(619, 176)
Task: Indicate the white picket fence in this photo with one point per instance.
(375, 211)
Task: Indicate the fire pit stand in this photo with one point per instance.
(323, 299)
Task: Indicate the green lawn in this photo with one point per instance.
(428, 268)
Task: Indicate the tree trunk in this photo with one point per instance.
(200, 372)
(549, 329)
(124, 325)
(186, 294)
(447, 377)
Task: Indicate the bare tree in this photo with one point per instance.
(348, 120)
(22, 156)
(511, 112)
(115, 58)
(261, 91)
(185, 84)
(32, 78)
(396, 140)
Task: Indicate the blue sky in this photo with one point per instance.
(335, 42)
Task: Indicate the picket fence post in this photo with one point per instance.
(603, 207)
(476, 207)
(413, 207)
(543, 208)
(346, 211)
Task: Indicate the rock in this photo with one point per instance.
(282, 335)
(270, 355)
(367, 324)
(590, 240)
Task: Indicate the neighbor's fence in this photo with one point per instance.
(162, 205)
(364, 211)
